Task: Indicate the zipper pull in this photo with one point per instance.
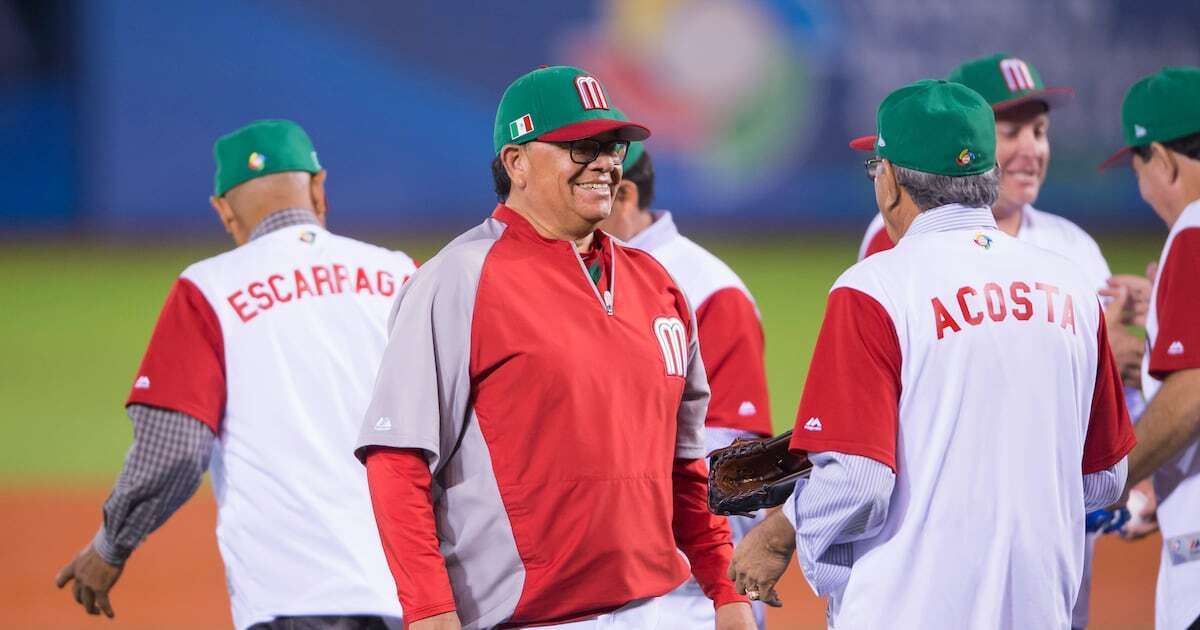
(608, 301)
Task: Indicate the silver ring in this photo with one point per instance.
(752, 595)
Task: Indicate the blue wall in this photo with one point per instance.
(751, 102)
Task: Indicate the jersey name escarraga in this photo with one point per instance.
(274, 346)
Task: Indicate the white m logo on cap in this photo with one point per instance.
(590, 92)
(672, 339)
(1016, 74)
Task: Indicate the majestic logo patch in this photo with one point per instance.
(983, 240)
(964, 157)
(1016, 75)
(142, 382)
(813, 424)
(1139, 131)
(672, 340)
(590, 92)
(383, 424)
(256, 161)
(1175, 349)
(308, 237)
(747, 408)
(520, 127)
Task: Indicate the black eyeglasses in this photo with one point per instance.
(873, 167)
(587, 150)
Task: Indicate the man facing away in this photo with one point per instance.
(259, 369)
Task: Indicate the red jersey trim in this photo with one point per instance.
(1110, 434)
(184, 366)
(1177, 308)
(732, 345)
(851, 399)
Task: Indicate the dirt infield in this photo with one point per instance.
(176, 579)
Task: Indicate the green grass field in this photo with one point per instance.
(77, 318)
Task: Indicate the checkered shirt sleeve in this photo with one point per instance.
(162, 470)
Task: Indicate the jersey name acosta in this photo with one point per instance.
(315, 281)
(994, 303)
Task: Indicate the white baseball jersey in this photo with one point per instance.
(976, 366)
(1063, 237)
(1173, 344)
(274, 345)
(732, 340)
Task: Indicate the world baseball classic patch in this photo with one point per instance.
(1185, 548)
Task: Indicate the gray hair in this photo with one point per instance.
(931, 191)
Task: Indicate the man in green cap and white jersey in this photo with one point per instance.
(962, 409)
(259, 370)
(1022, 103)
(1160, 119)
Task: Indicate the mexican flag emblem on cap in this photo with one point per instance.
(520, 126)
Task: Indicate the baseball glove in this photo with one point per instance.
(752, 474)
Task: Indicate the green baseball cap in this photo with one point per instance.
(261, 148)
(1005, 81)
(937, 127)
(558, 104)
(1159, 108)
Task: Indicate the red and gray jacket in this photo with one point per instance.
(534, 440)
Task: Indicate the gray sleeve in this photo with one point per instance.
(162, 470)
(845, 499)
(1102, 489)
(693, 407)
(423, 387)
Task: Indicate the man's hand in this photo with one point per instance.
(94, 577)
(1127, 348)
(444, 621)
(1133, 312)
(736, 616)
(1143, 509)
(762, 557)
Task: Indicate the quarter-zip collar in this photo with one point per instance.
(521, 228)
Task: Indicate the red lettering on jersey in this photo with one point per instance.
(975, 319)
(302, 286)
(1068, 313)
(240, 307)
(363, 282)
(321, 277)
(341, 276)
(387, 284)
(274, 289)
(994, 295)
(258, 291)
(1021, 300)
(1049, 290)
(942, 318)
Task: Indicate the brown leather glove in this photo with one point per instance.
(752, 474)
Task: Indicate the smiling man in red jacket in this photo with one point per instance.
(534, 446)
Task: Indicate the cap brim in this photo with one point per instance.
(626, 130)
(1053, 97)
(863, 143)
(1119, 158)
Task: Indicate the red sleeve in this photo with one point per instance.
(703, 537)
(399, 481)
(1177, 307)
(731, 342)
(184, 367)
(880, 242)
(1110, 433)
(851, 399)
